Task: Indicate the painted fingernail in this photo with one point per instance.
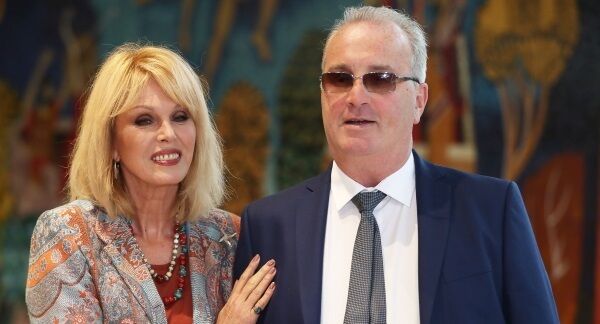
(271, 263)
(272, 285)
(256, 258)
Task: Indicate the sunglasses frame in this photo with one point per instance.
(394, 79)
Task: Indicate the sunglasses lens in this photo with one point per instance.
(336, 81)
(379, 82)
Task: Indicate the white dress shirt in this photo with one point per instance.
(396, 217)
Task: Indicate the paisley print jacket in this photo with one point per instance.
(85, 267)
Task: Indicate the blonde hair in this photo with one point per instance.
(412, 29)
(115, 89)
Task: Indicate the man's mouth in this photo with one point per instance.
(358, 122)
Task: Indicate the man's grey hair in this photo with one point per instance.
(411, 28)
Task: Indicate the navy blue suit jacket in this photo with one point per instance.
(478, 259)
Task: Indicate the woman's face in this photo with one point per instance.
(154, 141)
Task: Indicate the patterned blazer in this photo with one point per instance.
(85, 267)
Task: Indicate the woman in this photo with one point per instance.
(141, 239)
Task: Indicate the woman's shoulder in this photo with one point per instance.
(83, 205)
(59, 232)
(59, 254)
(65, 220)
(74, 211)
(218, 224)
(226, 218)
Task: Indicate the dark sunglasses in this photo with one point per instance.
(377, 82)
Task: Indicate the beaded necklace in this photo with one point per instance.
(179, 239)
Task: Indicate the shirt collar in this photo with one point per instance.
(399, 185)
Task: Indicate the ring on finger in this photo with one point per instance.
(257, 310)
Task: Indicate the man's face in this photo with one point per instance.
(359, 123)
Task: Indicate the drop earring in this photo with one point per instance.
(116, 169)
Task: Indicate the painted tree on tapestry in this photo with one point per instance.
(243, 122)
(8, 113)
(510, 37)
(524, 48)
(50, 57)
(302, 138)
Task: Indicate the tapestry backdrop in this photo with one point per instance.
(513, 94)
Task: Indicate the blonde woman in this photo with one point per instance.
(142, 239)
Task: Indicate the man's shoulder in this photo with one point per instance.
(460, 177)
(467, 186)
(295, 193)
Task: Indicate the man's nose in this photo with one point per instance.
(358, 94)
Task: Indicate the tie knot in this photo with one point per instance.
(367, 201)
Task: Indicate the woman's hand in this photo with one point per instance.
(250, 294)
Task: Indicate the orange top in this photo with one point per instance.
(180, 311)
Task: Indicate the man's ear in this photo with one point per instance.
(421, 102)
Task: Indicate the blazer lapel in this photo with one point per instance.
(203, 274)
(433, 217)
(126, 258)
(311, 216)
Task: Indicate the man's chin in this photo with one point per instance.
(355, 149)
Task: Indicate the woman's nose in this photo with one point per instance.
(165, 132)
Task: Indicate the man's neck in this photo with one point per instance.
(369, 171)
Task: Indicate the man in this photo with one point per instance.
(445, 246)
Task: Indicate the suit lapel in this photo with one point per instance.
(126, 258)
(433, 216)
(311, 216)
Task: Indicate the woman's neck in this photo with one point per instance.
(154, 213)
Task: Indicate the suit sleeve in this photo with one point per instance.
(243, 253)
(527, 291)
(59, 284)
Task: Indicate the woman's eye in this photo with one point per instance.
(143, 121)
(180, 117)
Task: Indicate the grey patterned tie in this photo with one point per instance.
(366, 294)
